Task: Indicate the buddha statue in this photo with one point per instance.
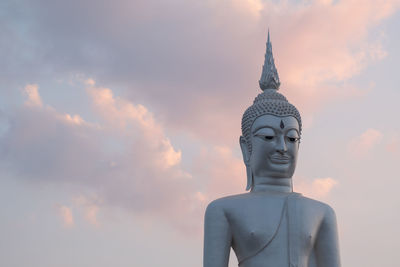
(270, 226)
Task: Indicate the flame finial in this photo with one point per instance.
(269, 76)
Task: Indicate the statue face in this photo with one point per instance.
(275, 143)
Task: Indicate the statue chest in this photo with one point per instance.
(275, 226)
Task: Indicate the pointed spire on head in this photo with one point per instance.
(269, 76)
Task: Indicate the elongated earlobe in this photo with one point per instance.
(245, 149)
(246, 158)
(250, 178)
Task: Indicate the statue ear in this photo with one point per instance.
(245, 150)
(246, 159)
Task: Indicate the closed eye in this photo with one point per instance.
(265, 137)
(292, 139)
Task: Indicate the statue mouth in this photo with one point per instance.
(280, 159)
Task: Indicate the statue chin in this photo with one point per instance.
(270, 226)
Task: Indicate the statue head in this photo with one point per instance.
(271, 129)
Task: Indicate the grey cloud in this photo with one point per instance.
(160, 51)
(41, 146)
(193, 63)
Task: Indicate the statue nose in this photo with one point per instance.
(281, 145)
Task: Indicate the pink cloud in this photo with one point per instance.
(66, 216)
(363, 144)
(126, 159)
(318, 46)
(75, 119)
(123, 114)
(221, 170)
(212, 76)
(393, 144)
(196, 84)
(33, 97)
(317, 188)
(90, 208)
(252, 8)
(321, 44)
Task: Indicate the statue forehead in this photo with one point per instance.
(275, 122)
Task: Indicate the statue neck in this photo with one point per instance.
(269, 184)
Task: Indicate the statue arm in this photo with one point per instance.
(217, 237)
(327, 245)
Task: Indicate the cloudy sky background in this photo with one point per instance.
(120, 120)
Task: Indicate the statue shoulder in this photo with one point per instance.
(226, 203)
(323, 208)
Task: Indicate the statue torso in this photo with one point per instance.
(260, 224)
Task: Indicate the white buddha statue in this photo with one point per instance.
(270, 226)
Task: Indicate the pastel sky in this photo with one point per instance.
(120, 121)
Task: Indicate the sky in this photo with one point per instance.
(120, 122)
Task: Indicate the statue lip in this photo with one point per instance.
(280, 159)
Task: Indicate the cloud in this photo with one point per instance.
(66, 215)
(221, 171)
(191, 73)
(318, 188)
(91, 215)
(91, 207)
(320, 45)
(206, 60)
(322, 186)
(393, 144)
(75, 119)
(122, 114)
(251, 7)
(363, 144)
(125, 159)
(33, 97)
